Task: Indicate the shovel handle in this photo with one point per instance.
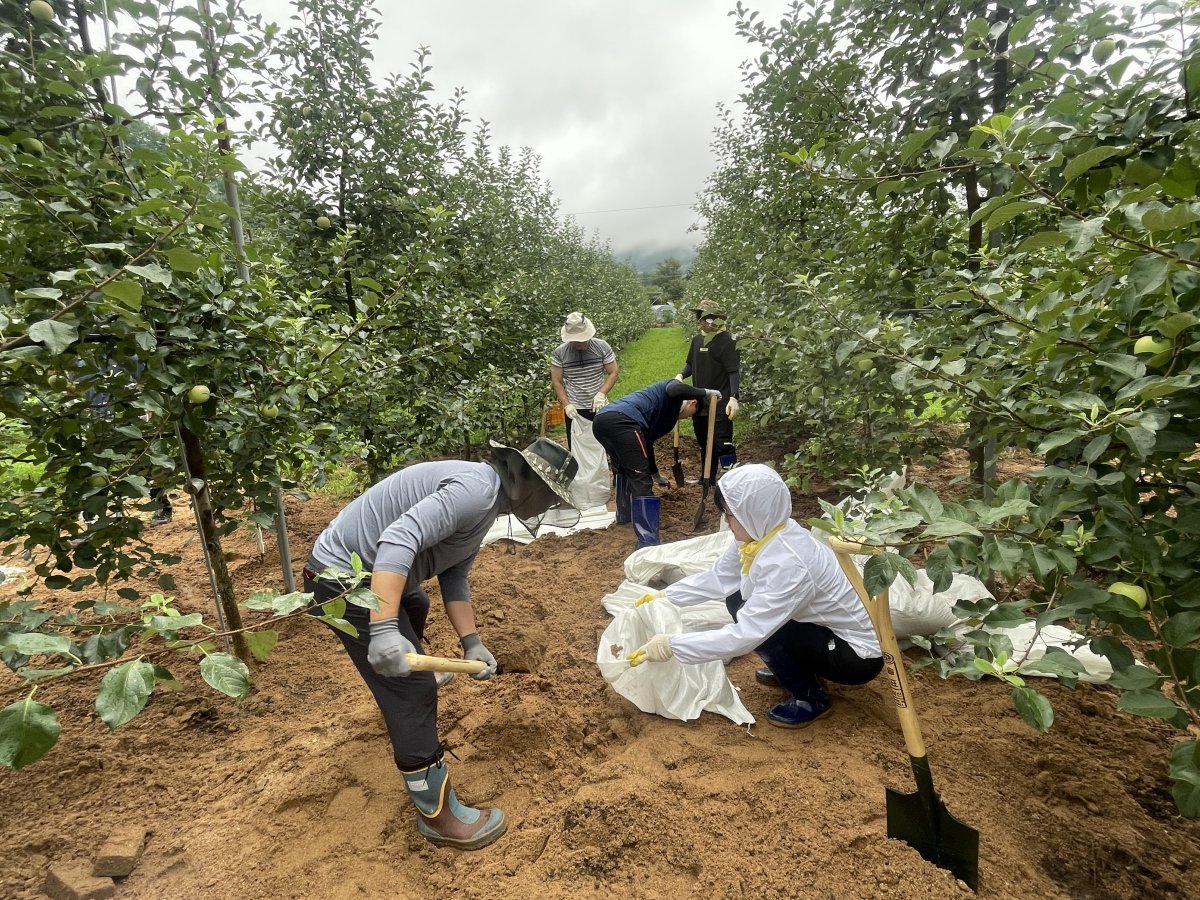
(708, 446)
(880, 611)
(419, 663)
(675, 437)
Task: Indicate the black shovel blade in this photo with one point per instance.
(700, 509)
(677, 471)
(926, 825)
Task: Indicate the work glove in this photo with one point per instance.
(647, 598)
(731, 407)
(473, 649)
(599, 401)
(679, 377)
(657, 649)
(709, 395)
(570, 411)
(388, 649)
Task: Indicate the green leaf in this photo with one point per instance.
(1033, 708)
(289, 603)
(1133, 678)
(881, 570)
(27, 732)
(124, 692)
(1043, 240)
(947, 527)
(1089, 159)
(34, 643)
(1148, 703)
(363, 597)
(1112, 649)
(1010, 211)
(1185, 771)
(939, 566)
(152, 272)
(1177, 216)
(1056, 661)
(1181, 629)
(128, 293)
(261, 643)
(340, 624)
(227, 674)
(922, 499)
(175, 623)
(260, 600)
(55, 336)
(182, 260)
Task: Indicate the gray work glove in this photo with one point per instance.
(709, 394)
(473, 649)
(387, 649)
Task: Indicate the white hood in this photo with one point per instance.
(756, 496)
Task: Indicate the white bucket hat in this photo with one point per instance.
(578, 328)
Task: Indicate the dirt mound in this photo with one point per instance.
(292, 793)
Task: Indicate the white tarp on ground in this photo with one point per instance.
(557, 521)
(664, 688)
(590, 488)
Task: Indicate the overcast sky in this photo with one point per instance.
(619, 98)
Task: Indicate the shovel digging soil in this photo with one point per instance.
(919, 819)
(708, 463)
(677, 466)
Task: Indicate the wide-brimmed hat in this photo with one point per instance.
(709, 308)
(578, 328)
(551, 463)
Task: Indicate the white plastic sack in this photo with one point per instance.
(688, 556)
(590, 486)
(670, 689)
(701, 617)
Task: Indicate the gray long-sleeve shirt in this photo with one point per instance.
(427, 519)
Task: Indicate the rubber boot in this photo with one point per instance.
(442, 819)
(623, 498)
(645, 520)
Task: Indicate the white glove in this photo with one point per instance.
(657, 649)
(679, 377)
(570, 411)
(731, 407)
(473, 648)
(599, 401)
(388, 649)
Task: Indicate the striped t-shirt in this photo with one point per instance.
(583, 370)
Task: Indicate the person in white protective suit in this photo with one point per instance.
(789, 600)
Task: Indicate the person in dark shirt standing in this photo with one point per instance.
(713, 363)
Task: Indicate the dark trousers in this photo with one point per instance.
(409, 704)
(722, 438)
(630, 452)
(801, 652)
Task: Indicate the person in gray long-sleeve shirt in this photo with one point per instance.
(429, 520)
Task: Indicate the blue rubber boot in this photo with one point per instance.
(645, 521)
(800, 709)
(442, 819)
(623, 498)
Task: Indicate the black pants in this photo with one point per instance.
(409, 704)
(722, 438)
(801, 652)
(629, 449)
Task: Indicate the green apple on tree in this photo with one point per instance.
(323, 222)
(1132, 591)
(366, 118)
(894, 275)
(1103, 50)
(33, 146)
(269, 410)
(199, 394)
(41, 10)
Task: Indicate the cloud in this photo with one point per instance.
(618, 98)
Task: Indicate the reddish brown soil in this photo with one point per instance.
(292, 793)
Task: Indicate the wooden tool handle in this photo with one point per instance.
(419, 663)
(708, 447)
(881, 617)
(675, 436)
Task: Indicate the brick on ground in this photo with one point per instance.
(120, 852)
(74, 881)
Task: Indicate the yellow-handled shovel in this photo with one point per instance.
(921, 819)
(420, 663)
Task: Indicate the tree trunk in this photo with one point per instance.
(198, 470)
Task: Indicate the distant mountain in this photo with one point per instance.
(645, 260)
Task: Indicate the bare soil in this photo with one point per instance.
(293, 794)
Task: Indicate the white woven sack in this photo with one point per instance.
(670, 689)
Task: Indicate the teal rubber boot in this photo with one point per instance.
(442, 819)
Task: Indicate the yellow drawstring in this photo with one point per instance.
(749, 550)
